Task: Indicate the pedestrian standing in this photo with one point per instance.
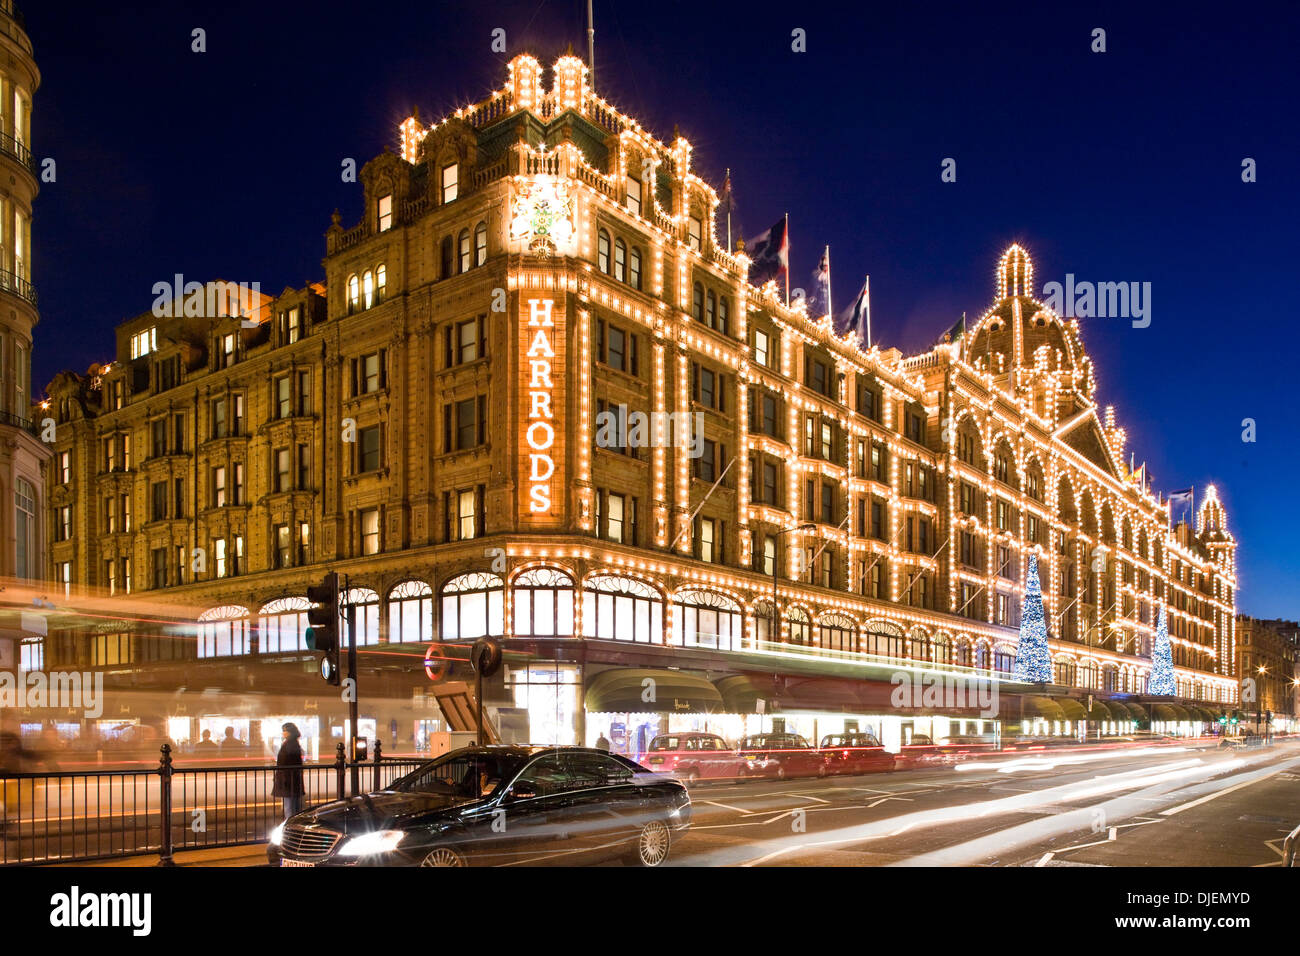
(602, 742)
(288, 771)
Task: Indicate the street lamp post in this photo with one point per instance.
(775, 564)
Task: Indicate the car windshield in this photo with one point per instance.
(665, 743)
(462, 774)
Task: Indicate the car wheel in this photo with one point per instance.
(652, 845)
(443, 856)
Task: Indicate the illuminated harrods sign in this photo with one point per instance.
(539, 430)
(542, 216)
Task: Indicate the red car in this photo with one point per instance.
(780, 756)
(693, 757)
(855, 753)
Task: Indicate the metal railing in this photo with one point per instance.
(18, 150)
(89, 815)
(1291, 848)
(9, 282)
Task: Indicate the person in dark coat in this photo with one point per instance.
(602, 743)
(288, 773)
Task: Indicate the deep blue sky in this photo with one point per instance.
(1123, 166)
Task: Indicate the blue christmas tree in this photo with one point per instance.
(1033, 658)
(1161, 682)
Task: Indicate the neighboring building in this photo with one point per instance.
(1268, 653)
(454, 419)
(22, 455)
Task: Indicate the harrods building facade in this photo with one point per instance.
(428, 419)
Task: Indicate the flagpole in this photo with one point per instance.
(830, 308)
(728, 191)
(867, 304)
(787, 260)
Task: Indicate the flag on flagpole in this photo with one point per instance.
(728, 202)
(769, 254)
(957, 332)
(819, 303)
(857, 317)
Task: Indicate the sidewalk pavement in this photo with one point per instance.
(254, 855)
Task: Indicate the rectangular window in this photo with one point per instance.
(386, 213)
(283, 546)
(158, 501)
(368, 450)
(694, 233)
(218, 487)
(63, 527)
(283, 397)
(370, 531)
(760, 348)
(615, 517)
(282, 469)
(708, 539)
(467, 513)
(237, 488)
(219, 557)
(634, 195)
(450, 181)
(178, 497)
(64, 467)
(159, 567)
(158, 438)
(219, 418)
(304, 467)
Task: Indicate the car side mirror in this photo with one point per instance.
(523, 791)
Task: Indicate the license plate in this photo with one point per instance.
(284, 862)
(656, 759)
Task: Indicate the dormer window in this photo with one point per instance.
(694, 233)
(144, 342)
(450, 181)
(385, 213)
(634, 195)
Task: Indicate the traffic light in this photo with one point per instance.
(323, 625)
(1223, 719)
(1236, 716)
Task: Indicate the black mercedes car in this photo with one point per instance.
(496, 806)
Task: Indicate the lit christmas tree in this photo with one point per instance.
(1162, 661)
(1033, 659)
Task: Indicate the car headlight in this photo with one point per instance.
(368, 844)
(277, 835)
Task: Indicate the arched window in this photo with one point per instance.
(761, 619)
(410, 613)
(1063, 672)
(462, 245)
(697, 303)
(616, 608)
(724, 315)
(706, 619)
(367, 289)
(634, 268)
(963, 658)
(25, 527)
(1004, 659)
(837, 633)
(367, 605)
(982, 656)
(480, 244)
(884, 639)
(381, 283)
(942, 649)
(282, 626)
(917, 639)
(473, 606)
(354, 293)
(620, 260)
(1088, 675)
(447, 257)
(710, 309)
(800, 626)
(223, 632)
(542, 604)
(602, 254)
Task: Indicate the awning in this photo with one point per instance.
(1043, 707)
(742, 692)
(1137, 711)
(1072, 709)
(1101, 712)
(623, 690)
(1168, 712)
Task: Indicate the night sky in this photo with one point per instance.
(1122, 166)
